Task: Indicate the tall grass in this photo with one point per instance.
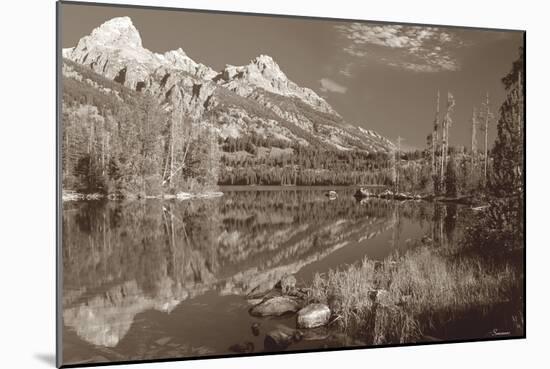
(408, 296)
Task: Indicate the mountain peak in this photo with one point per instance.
(118, 22)
(263, 72)
(267, 66)
(119, 31)
(264, 61)
(178, 53)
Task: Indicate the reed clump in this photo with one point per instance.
(406, 297)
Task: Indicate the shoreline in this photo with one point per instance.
(69, 195)
(467, 200)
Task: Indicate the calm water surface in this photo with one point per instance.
(158, 279)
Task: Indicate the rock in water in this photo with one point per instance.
(281, 337)
(275, 307)
(313, 315)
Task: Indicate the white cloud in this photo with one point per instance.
(328, 85)
(346, 70)
(416, 48)
(355, 51)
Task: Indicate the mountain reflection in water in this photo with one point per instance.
(150, 266)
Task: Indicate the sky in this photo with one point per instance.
(379, 76)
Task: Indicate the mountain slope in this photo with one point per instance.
(253, 100)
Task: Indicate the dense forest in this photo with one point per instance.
(117, 141)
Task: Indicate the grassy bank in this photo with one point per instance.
(418, 294)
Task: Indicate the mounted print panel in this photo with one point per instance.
(236, 184)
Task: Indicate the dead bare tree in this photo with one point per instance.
(486, 116)
(180, 142)
(446, 124)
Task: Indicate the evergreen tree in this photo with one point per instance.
(507, 153)
(501, 227)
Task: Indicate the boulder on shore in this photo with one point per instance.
(281, 337)
(275, 306)
(313, 315)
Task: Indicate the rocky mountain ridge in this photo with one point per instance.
(254, 99)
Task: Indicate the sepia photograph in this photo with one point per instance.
(235, 184)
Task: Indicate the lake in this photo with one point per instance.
(159, 279)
